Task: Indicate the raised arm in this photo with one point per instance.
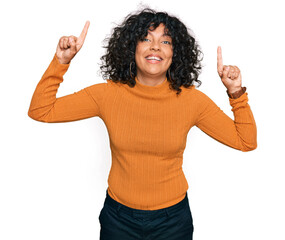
(240, 133)
(45, 107)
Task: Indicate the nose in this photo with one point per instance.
(154, 46)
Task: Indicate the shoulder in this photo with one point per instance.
(197, 96)
(193, 92)
(101, 87)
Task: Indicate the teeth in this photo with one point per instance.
(153, 58)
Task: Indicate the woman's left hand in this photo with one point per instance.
(230, 75)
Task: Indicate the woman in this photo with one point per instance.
(148, 103)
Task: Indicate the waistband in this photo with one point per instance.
(145, 213)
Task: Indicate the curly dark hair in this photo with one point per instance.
(186, 59)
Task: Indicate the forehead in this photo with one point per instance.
(161, 30)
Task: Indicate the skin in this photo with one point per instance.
(151, 72)
(230, 75)
(69, 46)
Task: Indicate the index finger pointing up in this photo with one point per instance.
(83, 33)
(220, 61)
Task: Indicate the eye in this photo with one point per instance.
(145, 40)
(166, 42)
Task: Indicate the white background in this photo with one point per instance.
(53, 177)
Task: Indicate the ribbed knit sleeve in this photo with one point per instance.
(45, 107)
(240, 133)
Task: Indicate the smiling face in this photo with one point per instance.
(154, 54)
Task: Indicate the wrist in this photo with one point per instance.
(60, 61)
(63, 62)
(233, 90)
(236, 93)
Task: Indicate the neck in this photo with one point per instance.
(150, 80)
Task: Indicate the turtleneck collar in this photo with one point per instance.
(160, 88)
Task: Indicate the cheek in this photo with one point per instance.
(138, 53)
(140, 48)
(169, 56)
(169, 53)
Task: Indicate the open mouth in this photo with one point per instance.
(153, 59)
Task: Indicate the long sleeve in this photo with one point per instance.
(45, 107)
(240, 133)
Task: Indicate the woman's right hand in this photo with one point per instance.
(68, 47)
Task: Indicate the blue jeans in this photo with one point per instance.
(119, 222)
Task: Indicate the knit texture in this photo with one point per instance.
(148, 127)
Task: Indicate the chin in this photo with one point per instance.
(154, 73)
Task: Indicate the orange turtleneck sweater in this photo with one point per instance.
(148, 127)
